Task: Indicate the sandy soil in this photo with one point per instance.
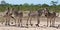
(42, 27)
(19, 28)
(42, 24)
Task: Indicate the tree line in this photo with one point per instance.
(31, 7)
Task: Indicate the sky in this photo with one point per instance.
(30, 1)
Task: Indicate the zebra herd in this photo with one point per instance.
(18, 15)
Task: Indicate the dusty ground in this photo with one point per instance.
(43, 22)
(42, 27)
(18, 28)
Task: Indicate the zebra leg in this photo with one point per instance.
(21, 22)
(47, 22)
(18, 23)
(9, 22)
(27, 21)
(50, 22)
(30, 21)
(6, 22)
(53, 22)
(38, 22)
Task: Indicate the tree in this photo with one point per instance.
(25, 4)
(45, 5)
(3, 2)
(54, 3)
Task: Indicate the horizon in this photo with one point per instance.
(18, 2)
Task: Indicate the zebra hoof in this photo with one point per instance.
(8, 24)
(47, 26)
(18, 25)
(5, 24)
(27, 24)
(37, 25)
(51, 26)
(31, 24)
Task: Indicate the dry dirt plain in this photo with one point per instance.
(42, 24)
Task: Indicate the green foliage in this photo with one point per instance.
(31, 7)
(54, 3)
